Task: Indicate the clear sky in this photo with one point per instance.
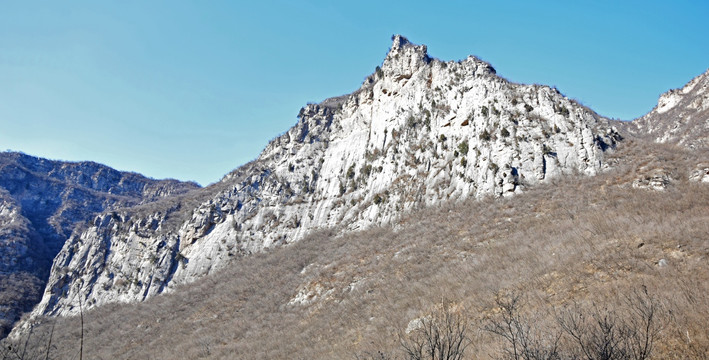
(192, 90)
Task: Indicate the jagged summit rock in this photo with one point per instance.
(418, 132)
(405, 56)
(400, 41)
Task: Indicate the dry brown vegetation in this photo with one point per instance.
(575, 246)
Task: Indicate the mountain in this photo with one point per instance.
(418, 132)
(434, 185)
(681, 116)
(41, 202)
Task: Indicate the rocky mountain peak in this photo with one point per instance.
(681, 116)
(418, 132)
(404, 57)
(671, 98)
(399, 41)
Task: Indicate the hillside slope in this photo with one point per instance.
(587, 242)
(41, 202)
(418, 132)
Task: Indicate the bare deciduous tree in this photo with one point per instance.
(30, 346)
(602, 334)
(439, 336)
(522, 344)
(606, 335)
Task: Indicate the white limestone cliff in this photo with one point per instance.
(418, 132)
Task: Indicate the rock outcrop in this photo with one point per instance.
(419, 131)
(700, 173)
(41, 202)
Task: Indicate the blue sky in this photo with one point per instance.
(192, 90)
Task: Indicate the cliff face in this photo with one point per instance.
(419, 131)
(56, 195)
(41, 201)
(681, 116)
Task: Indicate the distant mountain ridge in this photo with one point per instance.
(21, 175)
(418, 132)
(681, 116)
(41, 202)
